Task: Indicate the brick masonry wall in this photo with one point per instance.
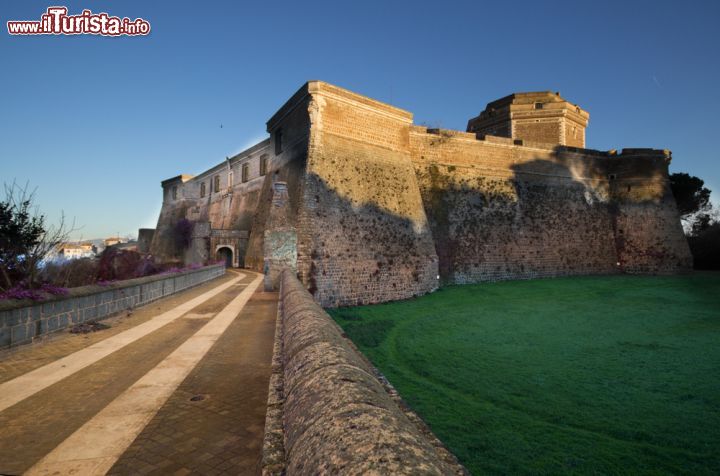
(364, 236)
(21, 324)
(648, 233)
(538, 130)
(504, 211)
(327, 411)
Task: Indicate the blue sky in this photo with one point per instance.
(96, 123)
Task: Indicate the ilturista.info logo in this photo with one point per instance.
(56, 21)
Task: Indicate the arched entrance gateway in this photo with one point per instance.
(225, 255)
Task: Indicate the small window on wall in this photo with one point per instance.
(230, 179)
(245, 170)
(202, 189)
(216, 185)
(174, 193)
(278, 141)
(538, 105)
(263, 164)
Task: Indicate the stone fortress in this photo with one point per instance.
(367, 207)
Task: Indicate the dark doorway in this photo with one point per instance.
(225, 254)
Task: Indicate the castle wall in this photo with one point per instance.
(229, 206)
(292, 122)
(379, 209)
(503, 211)
(363, 234)
(649, 236)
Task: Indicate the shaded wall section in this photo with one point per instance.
(363, 233)
(649, 236)
(506, 209)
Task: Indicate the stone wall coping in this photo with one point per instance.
(328, 411)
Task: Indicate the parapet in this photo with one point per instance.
(328, 412)
(322, 88)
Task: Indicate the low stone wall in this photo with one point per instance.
(21, 322)
(327, 411)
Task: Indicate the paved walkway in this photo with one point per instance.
(177, 387)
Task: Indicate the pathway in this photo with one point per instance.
(178, 387)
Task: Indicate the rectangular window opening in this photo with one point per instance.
(278, 141)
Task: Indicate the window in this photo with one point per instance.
(174, 193)
(263, 164)
(245, 170)
(278, 141)
(230, 179)
(216, 185)
(202, 189)
(538, 105)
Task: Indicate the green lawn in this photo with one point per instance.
(617, 375)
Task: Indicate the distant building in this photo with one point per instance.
(75, 250)
(114, 241)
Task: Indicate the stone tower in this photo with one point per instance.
(537, 117)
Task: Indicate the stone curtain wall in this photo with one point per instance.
(506, 209)
(20, 324)
(500, 211)
(327, 412)
(648, 233)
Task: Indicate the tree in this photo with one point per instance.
(25, 240)
(691, 196)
